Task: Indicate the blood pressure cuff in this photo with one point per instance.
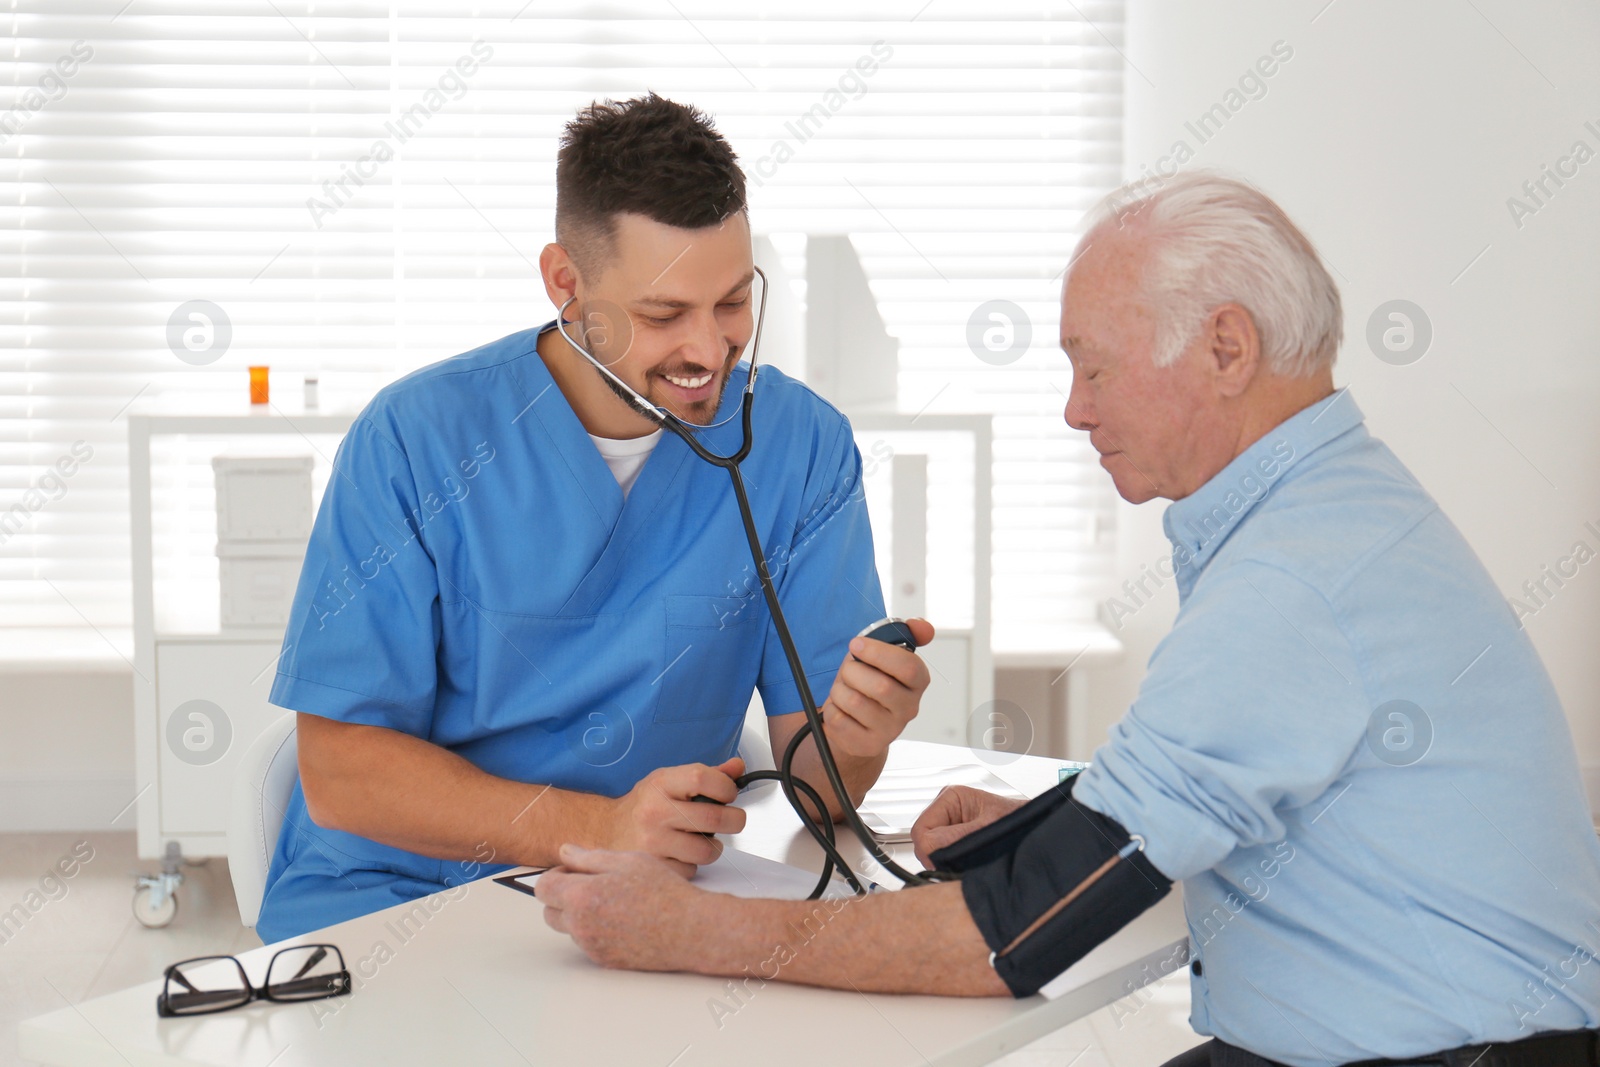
(1048, 883)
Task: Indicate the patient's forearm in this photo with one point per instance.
(403, 791)
(912, 941)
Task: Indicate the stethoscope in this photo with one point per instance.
(820, 827)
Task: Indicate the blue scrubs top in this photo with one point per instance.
(476, 578)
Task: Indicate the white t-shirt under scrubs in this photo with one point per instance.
(626, 458)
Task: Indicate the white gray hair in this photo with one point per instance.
(1218, 240)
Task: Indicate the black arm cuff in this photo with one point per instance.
(1018, 868)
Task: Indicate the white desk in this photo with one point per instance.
(485, 982)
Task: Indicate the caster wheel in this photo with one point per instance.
(149, 915)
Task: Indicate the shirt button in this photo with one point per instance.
(1195, 969)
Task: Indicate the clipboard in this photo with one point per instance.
(521, 881)
(736, 873)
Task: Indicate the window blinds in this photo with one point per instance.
(356, 189)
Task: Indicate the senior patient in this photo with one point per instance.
(1346, 749)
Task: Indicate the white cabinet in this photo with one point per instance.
(211, 703)
(200, 688)
(945, 715)
(926, 481)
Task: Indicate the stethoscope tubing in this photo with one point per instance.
(820, 828)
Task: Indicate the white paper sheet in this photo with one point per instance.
(742, 874)
(901, 794)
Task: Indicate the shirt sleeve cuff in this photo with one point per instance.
(343, 705)
(783, 698)
(1179, 840)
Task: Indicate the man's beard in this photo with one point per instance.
(650, 413)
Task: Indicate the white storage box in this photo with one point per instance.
(258, 581)
(263, 498)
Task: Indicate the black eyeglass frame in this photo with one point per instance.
(335, 983)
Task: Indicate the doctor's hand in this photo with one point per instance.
(957, 811)
(657, 815)
(875, 694)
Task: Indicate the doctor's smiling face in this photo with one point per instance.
(666, 309)
(653, 249)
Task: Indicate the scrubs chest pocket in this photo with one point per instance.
(712, 656)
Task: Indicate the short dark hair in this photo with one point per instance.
(648, 156)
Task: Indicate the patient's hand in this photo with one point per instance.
(659, 815)
(626, 909)
(956, 812)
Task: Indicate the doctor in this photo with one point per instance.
(527, 617)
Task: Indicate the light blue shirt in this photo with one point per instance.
(1354, 760)
(476, 578)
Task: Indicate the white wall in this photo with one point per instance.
(66, 749)
(1394, 135)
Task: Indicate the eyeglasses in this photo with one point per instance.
(218, 983)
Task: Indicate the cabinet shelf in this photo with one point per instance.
(200, 691)
(241, 636)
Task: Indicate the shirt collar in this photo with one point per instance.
(1198, 524)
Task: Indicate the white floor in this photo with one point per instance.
(83, 942)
